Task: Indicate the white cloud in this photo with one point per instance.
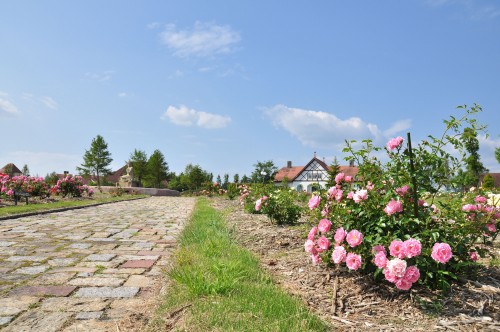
(42, 163)
(49, 102)
(320, 129)
(398, 127)
(7, 107)
(204, 39)
(184, 116)
(122, 95)
(101, 77)
(487, 146)
(470, 9)
(154, 25)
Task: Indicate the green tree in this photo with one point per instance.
(332, 172)
(488, 182)
(51, 179)
(245, 179)
(474, 167)
(96, 160)
(264, 171)
(26, 170)
(236, 178)
(157, 169)
(139, 160)
(219, 180)
(226, 181)
(194, 177)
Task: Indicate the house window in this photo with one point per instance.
(300, 188)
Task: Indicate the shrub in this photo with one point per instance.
(488, 182)
(73, 186)
(280, 206)
(35, 186)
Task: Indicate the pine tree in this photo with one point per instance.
(96, 160)
(26, 170)
(157, 169)
(139, 161)
(332, 173)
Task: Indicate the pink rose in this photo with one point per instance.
(324, 225)
(441, 252)
(397, 249)
(378, 248)
(338, 255)
(10, 192)
(388, 276)
(315, 259)
(314, 202)
(323, 243)
(395, 143)
(380, 259)
(312, 233)
(339, 177)
(412, 274)
(360, 195)
(340, 235)
(350, 195)
(348, 178)
(393, 207)
(491, 227)
(402, 191)
(469, 208)
(480, 199)
(396, 267)
(353, 261)
(258, 204)
(354, 238)
(403, 284)
(370, 186)
(473, 256)
(412, 248)
(309, 246)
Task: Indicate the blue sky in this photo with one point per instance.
(225, 84)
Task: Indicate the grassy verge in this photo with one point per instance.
(218, 286)
(22, 208)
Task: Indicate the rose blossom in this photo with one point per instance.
(309, 246)
(315, 259)
(473, 256)
(393, 207)
(258, 204)
(360, 195)
(339, 177)
(396, 267)
(388, 276)
(412, 248)
(412, 274)
(353, 261)
(324, 225)
(491, 227)
(380, 259)
(339, 236)
(403, 284)
(312, 233)
(354, 238)
(441, 252)
(395, 143)
(338, 255)
(348, 178)
(403, 190)
(323, 243)
(397, 249)
(314, 202)
(370, 186)
(350, 195)
(480, 199)
(378, 248)
(469, 208)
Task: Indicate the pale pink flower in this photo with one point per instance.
(258, 204)
(473, 256)
(378, 248)
(312, 233)
(354, 238)
(412, 274)
(469, 208)
(353, 261)
(324, 212)
(309, 246)
(348, 178)
(314, 202)
(393, 207)
(388, 276)
(10, 192)
(491, 228)
(360, 195)
(323, 243)
(403, 190)
(395, 143)
(370, 186)
(403, 284)
(339, 177)
(441, 252)
(340, 235)
(350, 195)
(324, 225)
(396, 267)
(412, 248)
(480, 199)
(315, 259)
(380, 259)
(339, 255)
(397, 249)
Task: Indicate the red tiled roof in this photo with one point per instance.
(13, 169)
(292, 172)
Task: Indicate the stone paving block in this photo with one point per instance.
(5, 320)
(4, 269)
(138, 281)
(97, 281)
(32, 269)
(143, 263)
(43, 290)
(107, 292)
(153, 252)
(62, 261)
(15, 305)
(13, 277)
(58, 278)
(126, 271)
(79, 269)
(73, 304)
(91, 326)
(141, 257)
(100, 257)
(88, 315)
(39, 321)
(6, 243)
(26, 258)
(80, 246)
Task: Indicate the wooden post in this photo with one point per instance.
(413, 179)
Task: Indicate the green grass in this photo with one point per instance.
(34, 207)
(219, 286)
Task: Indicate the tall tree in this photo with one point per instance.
(26, 170)
(139, 161)
(226, 181)
(264, 171)
(245, 179)
(96, 160)
(474, 166)
(332, 172)
(157, 169)
(236, 178)
(194, 177)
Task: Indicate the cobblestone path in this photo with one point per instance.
(86, 269)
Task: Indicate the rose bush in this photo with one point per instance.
(382, 209)
(35, 186)
(73, 186)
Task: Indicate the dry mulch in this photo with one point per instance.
(352, 302)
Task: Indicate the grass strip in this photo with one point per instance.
(22, 208)
(215, 285)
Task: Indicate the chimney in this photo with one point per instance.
(289, 164)
(314, 154)
(351, 163)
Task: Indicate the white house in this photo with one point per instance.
(302, 178)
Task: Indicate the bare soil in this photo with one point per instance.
(354, 302)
